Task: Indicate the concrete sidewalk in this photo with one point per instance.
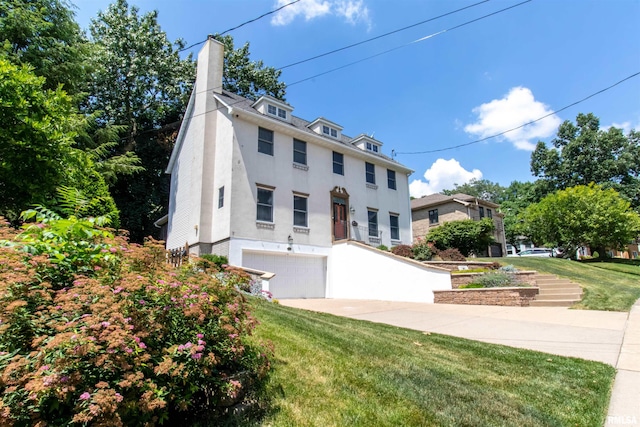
(608, 337)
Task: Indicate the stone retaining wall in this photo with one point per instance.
(520, 297)
(528, 277)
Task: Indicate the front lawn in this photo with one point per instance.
(334, 371)
(606, 286)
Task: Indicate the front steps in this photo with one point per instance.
(556, 292)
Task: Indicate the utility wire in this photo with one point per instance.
(526, 124)
(243, 24)
(381, 36)
(410, 43)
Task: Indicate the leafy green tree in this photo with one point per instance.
(139, 88)
(44, 34)
(516, 198)
(37, 153)
(480, 188)
(468, 236)
(583, 153)
(248, 78)
(139, 79)
(584, 215)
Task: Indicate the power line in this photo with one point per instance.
(243, 24)
(410, 43)
(381, 36)
(526, 124)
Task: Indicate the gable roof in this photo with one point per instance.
(440, 199)
(231, 100)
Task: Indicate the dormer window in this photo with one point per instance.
(275, 111)
(325, 127)
(333, 133)
(372, 147)
(367, 143)
(273, 107)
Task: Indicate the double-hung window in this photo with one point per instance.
(394, 226)
(489, 213)
(265, 141)
(391, 179)
(300, 211)
(221, 197)
(299, 152)
(370, 172)
(373, 223)
(433, 216)
(338, 163)
(481, 209)
(265, 204)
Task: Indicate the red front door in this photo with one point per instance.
(339, 219)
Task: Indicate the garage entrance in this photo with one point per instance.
(296, 276)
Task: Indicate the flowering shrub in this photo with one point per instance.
(127, 341)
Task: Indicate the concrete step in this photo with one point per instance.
(560, 286)
(556, 292)
(568, 297)
(551, 281)
(552, 303)
(567, 290)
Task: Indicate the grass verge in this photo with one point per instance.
(334, 371)
(605, 285)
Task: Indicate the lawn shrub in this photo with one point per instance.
(471, 286)
(402, 250)
(212, 262)
(382, 248)
(496, 280)
(422, 250)
(127, 340)
(451, 254)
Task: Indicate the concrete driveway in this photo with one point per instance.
(609, 337)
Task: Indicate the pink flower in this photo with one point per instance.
(105, 324)
(97, 268)
(142, 302)
(142, 345)
(85, 396)
(113, 250)
(44, 368)
(200, 336)
(118, 290)
(196, 356)
(128, 350)
(118, 397)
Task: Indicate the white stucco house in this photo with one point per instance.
(273, 192)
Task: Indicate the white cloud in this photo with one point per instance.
(515, 109)
(353, 11)
(625, 126)
(442, 175)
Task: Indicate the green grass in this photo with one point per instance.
(608, 285)
(333, 371)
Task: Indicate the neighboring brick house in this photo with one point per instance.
(434, 210)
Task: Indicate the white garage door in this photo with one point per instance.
(297, 276)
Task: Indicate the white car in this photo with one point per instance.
(537, 252)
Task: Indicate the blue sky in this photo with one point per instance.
(449, 89)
